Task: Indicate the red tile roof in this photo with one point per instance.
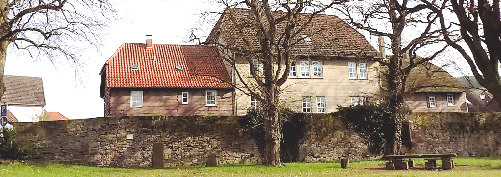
(55, 116)
(202, 67)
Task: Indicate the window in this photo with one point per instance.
(432, 102)
(210, 98)
(355, 100)
(317, 69)
(254, 103)
(293, 71)
(450, 100)
(362, 69)
(365, 100)
(352, 70)
(306, 38)
(184, 97)
(321, 104)
(256, 66)
(136, 99)
(307, 104)
(304, 68)
(134, 67)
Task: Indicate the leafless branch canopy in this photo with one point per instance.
(53, 27)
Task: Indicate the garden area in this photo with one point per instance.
(374, 167)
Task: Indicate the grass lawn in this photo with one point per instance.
(477, 167)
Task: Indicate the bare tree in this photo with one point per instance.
(265, 37)
(413, 34)
(479, 23)
(49, 28)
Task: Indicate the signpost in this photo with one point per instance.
(3, 113)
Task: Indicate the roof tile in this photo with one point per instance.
(201, 67)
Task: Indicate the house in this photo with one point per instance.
(480, 100)
(145, 79)
(333, 64)
(24, 97)
(434, 90)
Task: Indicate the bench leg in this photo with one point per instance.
(447, 164)
(390, 165)
(430, 164)
(401, 164)
(411, 163)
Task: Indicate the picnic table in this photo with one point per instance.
(404, 162)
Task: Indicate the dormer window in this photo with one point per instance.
(134, 67)
(179, 68)
(306, 38)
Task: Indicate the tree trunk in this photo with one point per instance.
(3, 57)
(272, 129)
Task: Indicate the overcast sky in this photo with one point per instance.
(77, 95)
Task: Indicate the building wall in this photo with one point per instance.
(418, 102)
(335, 86)
(26, 113)
(168, 102)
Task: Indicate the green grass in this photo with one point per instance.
(477, 167)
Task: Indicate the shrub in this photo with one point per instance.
(293, 130)
(11, 149)
(372, 122)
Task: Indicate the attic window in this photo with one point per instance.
(134, 67)
(306, 38)
(179, 68)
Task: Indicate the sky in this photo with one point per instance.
(76, 94)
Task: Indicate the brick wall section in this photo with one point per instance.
(168, 102)
(467, 134)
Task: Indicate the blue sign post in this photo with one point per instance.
(4, 121)
(4, 110)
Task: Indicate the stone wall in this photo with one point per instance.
(467, 134)
(128, 141)
(107, 141)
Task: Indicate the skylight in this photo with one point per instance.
(179, 67)
(134, 67)
(306, 38)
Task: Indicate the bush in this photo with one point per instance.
(293, 130)
(372, 122)
(11, 149)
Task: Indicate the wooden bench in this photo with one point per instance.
(404, 162)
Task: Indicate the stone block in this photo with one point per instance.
(212, 160)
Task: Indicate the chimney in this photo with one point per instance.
(149, 42)
(381, 46)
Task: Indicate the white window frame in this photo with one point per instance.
(259, 67)
(136, 99)
(432, 102)
(183, 96)
(214, 93)
(362, 71)
(321, 106)
(317, 69)
(254, 103)
(354, 100)
(293, 69)
(306, 104)
(450, 99)
(304, 70)
(352, 70)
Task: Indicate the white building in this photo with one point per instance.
(24, 97)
